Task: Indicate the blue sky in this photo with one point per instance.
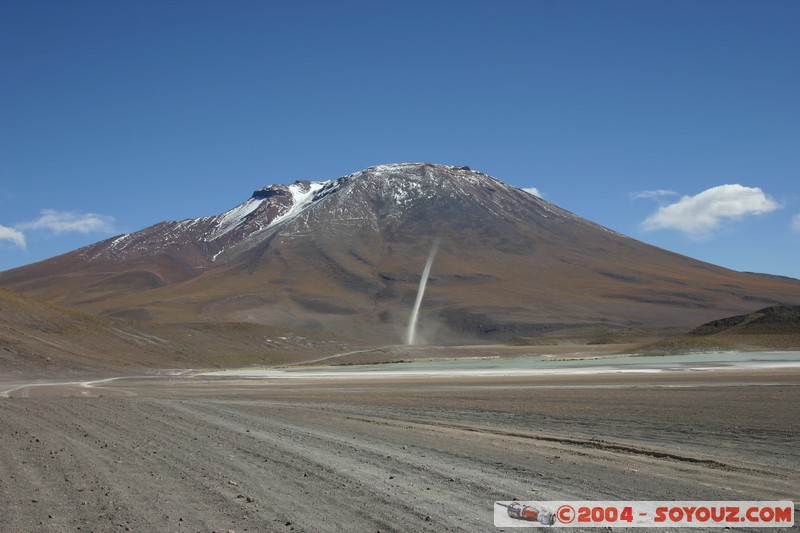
(676, 123)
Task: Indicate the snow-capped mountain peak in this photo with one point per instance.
(380, 198)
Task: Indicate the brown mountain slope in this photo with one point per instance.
(36, 336)
(346, 256)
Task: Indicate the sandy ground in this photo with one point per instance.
(424, 454)
(411, 353)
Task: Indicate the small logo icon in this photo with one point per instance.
(565, 514)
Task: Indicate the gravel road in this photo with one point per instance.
(389, 455)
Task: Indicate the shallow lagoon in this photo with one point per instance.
(534, 365)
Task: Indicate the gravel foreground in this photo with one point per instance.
(419, 454)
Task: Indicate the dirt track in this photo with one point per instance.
(421, 455)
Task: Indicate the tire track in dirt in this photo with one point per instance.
(530, 455)
(400, 484)
(133, 474)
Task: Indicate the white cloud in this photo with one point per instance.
(10, 234)
(651, 195)
(796, 223)
(70, 222)
(697, 216)
(533, 190)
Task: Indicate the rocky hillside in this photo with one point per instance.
(35, 336)
(775, 320)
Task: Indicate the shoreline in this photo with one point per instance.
(526, 366)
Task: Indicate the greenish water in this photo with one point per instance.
(686, 361)
(535, 365)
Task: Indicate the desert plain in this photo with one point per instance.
(168, 451)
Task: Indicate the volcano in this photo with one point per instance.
(346, 256)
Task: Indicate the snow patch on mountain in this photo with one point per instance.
(302, 198)
(117, 241)
(230, 220)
